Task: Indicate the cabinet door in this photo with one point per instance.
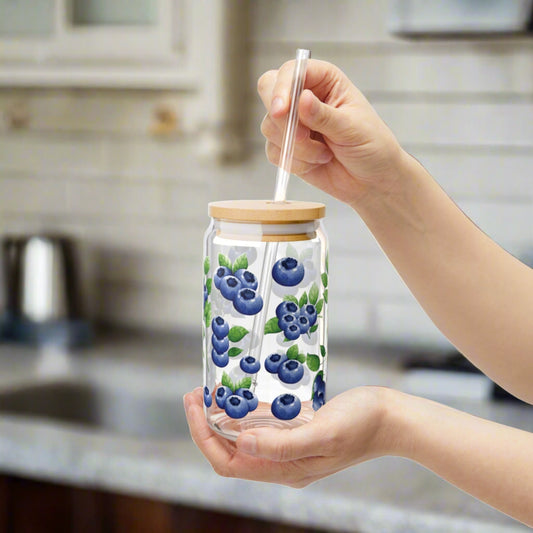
(102, 43)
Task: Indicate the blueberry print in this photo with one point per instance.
(291, 371)
(220, 274)
(319, 392)
(292, 332)
(220, 345)
(288, 272)
(220, 327)
(303, 324)
(221, 395)
(220, 359)
(250, 365)
(250, 397)
(287, 320)
(286, 308)
(273, 362)
(309, 310)
(229, 287)
(208, 399)
(248, 302)
(247, 279)
(236, 406)
(286, 406)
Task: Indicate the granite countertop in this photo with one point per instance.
(385, 495)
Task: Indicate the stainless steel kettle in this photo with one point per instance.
(41, 278)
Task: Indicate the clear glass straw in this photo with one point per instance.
(287, 145)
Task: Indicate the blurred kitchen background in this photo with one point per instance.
(92, 146)
(119, 121)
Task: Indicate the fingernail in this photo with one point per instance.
(248, 444)
(277, 105)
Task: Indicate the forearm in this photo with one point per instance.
(490, 461)
(478, 295)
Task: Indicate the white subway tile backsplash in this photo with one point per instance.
(359, 275)
(19, 194)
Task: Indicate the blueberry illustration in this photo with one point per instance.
(292, 332)
(318, 402)
(250, 365)
(250, 397)
(286, 406)
(291, 371)
(222, 394)
(220, 327)
(319, 392)
(229, 287)
(220, 274)
(247, 279)
(286, 320)
(208, 399)
(220, 359)
(236, 406)
(273, 361)
(286, 308)
(303, 324)
(220, 345)
(205, 293)
(309, 311)
(248, 302)
(288, 271)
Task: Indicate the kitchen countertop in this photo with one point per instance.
(385, 495)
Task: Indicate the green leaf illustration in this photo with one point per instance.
(292, 352)
(292, 251)
(326, 295)
(306, 254)
(207, 314)
(226, 382)
(327, 263)
(208, 285)
(312, 329)
(244, 383)
(319, 306)
(301, 357)
(303, 300)
(313, 362)
(240, 262)
(313, 294)
(324, 277)
(207, 264)
(237, 333)
(323, 350)
(223, 261)
(272, 326)
(290, 298)
(234, 352)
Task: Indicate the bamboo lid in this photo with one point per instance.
(267, 211)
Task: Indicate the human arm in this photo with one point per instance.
(476, 293)
(488, 460)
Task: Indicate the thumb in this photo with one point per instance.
(282, 445)
(321, 117)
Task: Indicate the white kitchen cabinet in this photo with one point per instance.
(193, 46)
(157, 44)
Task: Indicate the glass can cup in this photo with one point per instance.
(264, 314)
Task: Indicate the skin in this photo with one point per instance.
(479, 296)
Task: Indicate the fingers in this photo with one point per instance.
(298, 167)
(285, 445)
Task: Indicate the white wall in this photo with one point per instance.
(86, 165)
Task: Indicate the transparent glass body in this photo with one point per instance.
(264, 324)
